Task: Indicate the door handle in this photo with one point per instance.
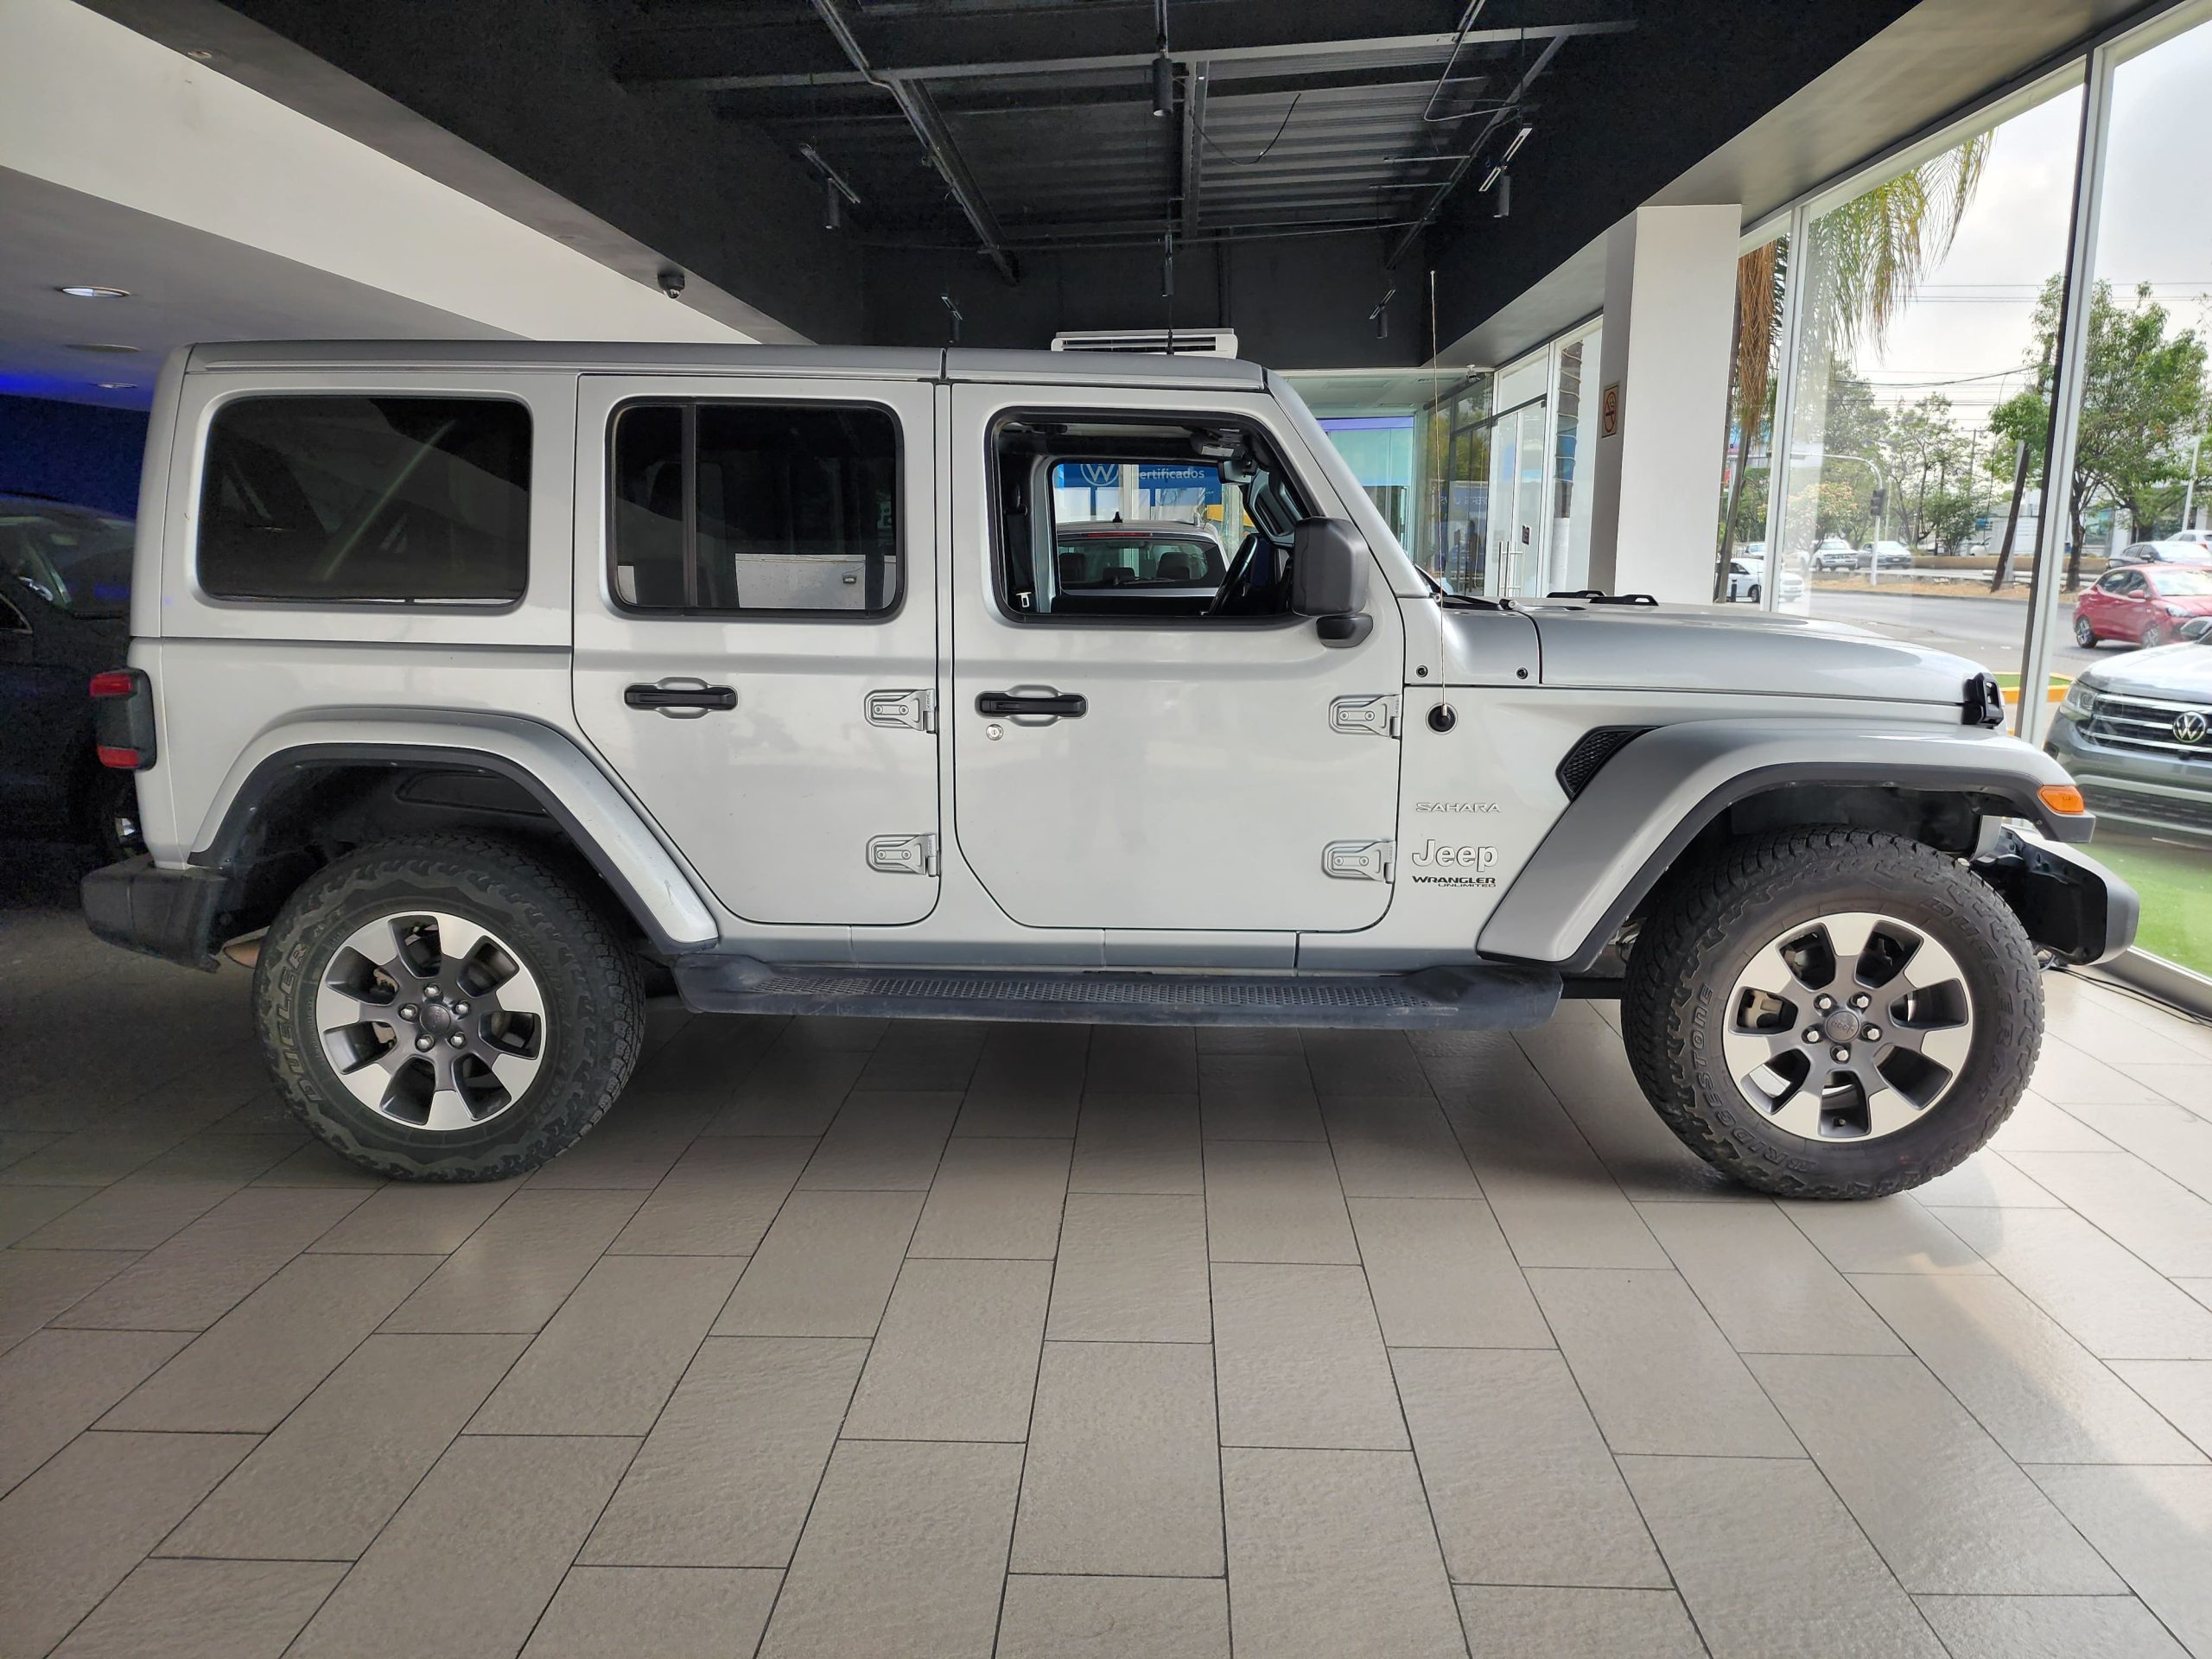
(1023, 702)
(680, 697)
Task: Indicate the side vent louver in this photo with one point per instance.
(1590, 752)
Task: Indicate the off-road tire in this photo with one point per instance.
(591, 981)
(1704, 929)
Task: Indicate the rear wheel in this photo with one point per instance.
(449, 1010)
(1832, 1014)
(2084, 635)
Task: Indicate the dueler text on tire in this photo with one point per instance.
(448, 1009)
(1832, 1012)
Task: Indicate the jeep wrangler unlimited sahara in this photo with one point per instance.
(503, 684)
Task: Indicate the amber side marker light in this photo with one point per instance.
(2062, 798)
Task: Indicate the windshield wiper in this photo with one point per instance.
(1444, 595)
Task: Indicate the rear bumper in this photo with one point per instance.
(2071, 905)
(172, 914)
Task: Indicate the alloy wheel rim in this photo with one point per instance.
(1849, 1026)
(431, 1021)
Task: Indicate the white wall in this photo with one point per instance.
(1670, 298)
(90, 104)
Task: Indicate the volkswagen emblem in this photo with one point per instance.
(2190, 725)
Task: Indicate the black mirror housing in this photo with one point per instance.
(1328, 568)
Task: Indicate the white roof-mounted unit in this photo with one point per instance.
(1183, 342)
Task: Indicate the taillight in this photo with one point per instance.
(123, 719)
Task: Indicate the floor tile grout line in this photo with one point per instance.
(1213, 1365)
(1760, 1383)
(798, 1539)
(1036, 1387)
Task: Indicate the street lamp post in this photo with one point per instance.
(1881, 519)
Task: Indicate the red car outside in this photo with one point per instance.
(2144, 604)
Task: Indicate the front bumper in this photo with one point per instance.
(2071, 905)
(172, 914)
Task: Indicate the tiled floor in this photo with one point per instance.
(849, 1338)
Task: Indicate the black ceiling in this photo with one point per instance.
(1019, 125)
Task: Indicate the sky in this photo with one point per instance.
(1969, 328)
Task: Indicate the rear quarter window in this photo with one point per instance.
(358, 500)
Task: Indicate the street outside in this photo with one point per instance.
(1988, 630)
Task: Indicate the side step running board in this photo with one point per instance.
(1496, 996)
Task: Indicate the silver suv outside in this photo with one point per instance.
(480, 691)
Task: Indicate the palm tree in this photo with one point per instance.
(1872, 251)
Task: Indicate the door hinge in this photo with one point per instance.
(914, 710)
(1370, 717)
(1359, 860)
(903, 854)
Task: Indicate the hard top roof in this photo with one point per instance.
(847, 362)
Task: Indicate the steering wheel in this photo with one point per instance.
(1239, 573)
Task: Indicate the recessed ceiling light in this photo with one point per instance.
(199, 53)
(101, 345)
(94, 291)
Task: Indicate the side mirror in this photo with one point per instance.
(1328, 579)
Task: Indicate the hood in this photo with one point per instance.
(1694, 648)
(2184, 670)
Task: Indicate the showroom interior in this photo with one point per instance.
(856, 1333)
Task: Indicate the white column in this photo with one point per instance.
(1663, 401)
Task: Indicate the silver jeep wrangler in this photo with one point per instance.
(498, 686)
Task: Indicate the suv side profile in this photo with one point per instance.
(488, 689)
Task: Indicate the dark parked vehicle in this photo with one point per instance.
(65, 601)
(2137, 735)
(2142, 604)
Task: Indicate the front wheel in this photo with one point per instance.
(2154, 635)
(1831, 1013)
(1754, 595)
(452, 1009)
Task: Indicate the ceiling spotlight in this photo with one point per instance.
(94, 291)
(1380, 316)
(1503, 206)
(671, 282)
(835, 193)
(1163, 70)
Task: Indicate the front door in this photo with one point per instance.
(756, 633)
(1193, 760)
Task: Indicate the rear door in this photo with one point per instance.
(756, 633)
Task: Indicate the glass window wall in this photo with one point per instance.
(2133, 559)
(1930, 352)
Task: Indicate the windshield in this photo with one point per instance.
(75, 561)
(2182, 584)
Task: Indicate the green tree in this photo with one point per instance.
(2142, 403)
(1872, 253)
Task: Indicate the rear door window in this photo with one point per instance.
(732, 508)
(377, 501)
